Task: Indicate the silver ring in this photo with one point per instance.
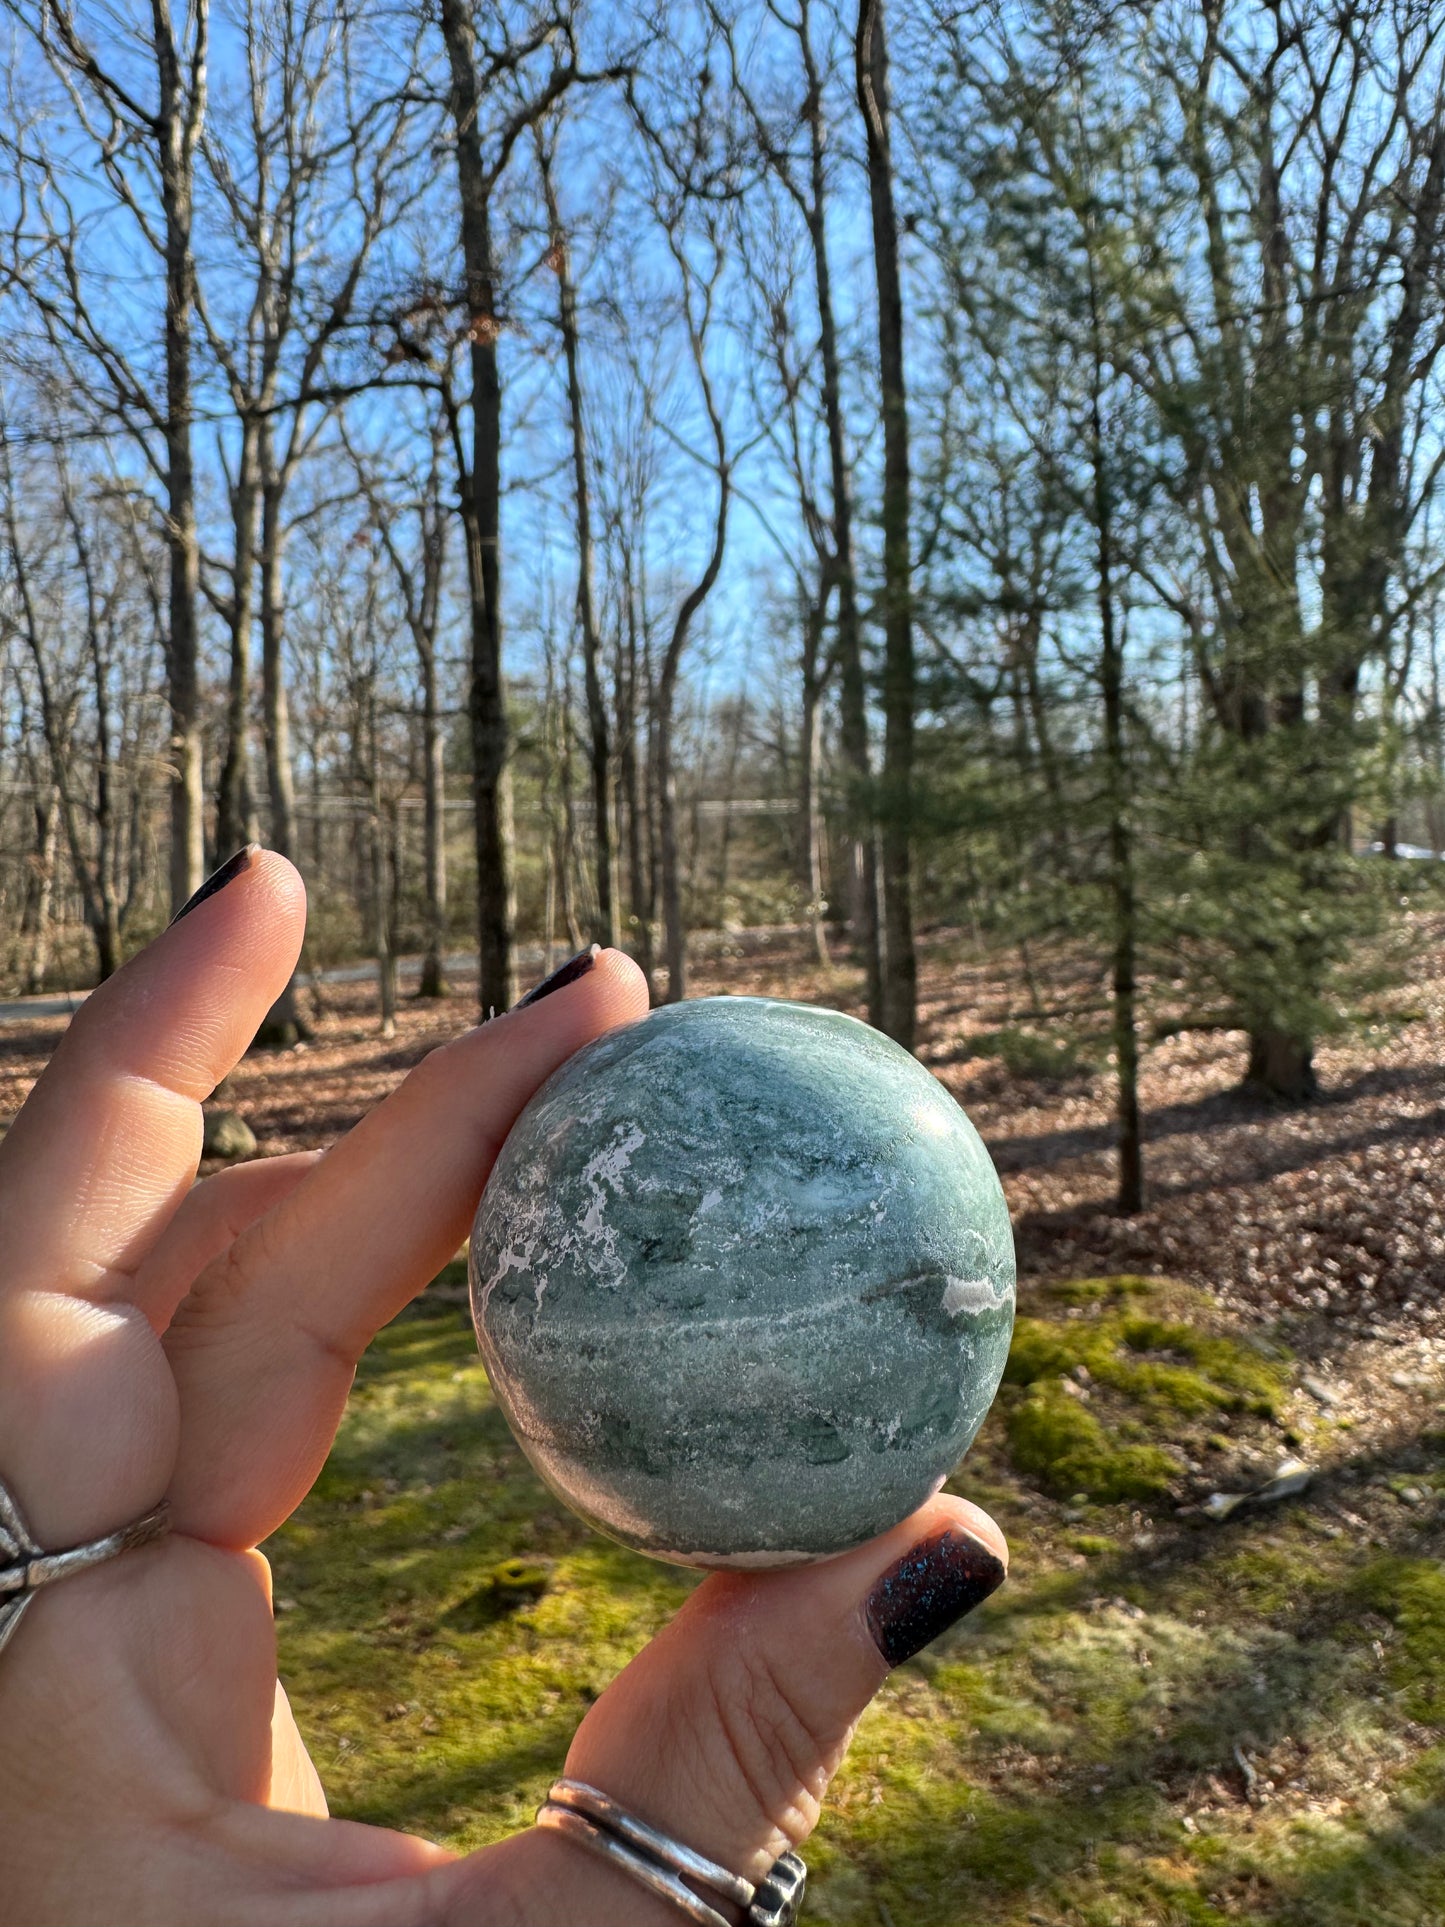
(25, 1567)
(595, 1821)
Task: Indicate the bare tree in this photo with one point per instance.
(87, 612)
(807, 180)
(627, 475)
(559, 260)
(559, 815)
(418, 567)
(496, 81)
(318, 155)
(143, 151)
(688, 193)
(900, 983)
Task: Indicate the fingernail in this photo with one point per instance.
(564, 974)
(218, 879)
(935, 1583)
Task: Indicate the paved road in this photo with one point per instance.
(66, 1002)
(530, 959)
(21, 1008)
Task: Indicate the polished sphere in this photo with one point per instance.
(743, 1279)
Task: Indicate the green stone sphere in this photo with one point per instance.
(743, 1280)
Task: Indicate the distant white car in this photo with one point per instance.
(1410, 852)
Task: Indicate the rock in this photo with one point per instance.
(228, 1135)
(509, 1586)
(1321, 1393)
(743, 1279)
(1290, 1478)
(1219, 1505)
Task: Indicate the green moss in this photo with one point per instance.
(445, 1624)
(1101, 1291)
(1135, 1370)
(1411, 1593)
(1272, 1581)
(1052, 1436)
(1027, 1053)
(1225, 1373)
(1163, 1364)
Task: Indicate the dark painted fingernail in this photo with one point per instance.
(564, 974)
(218, 879)
(935, 1583)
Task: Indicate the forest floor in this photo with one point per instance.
(1165, 1719)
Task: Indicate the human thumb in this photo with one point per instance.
(725, 1731)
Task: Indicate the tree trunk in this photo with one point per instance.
(674, 938)
(481, 514)
(652, 809)
(178, 126)
(569, 865)
(380, 890)
(422, 600)
(105, 921)
(235, 815)
(38, 910)
(1121, 852)
(276, 712)
(729, 797)
(282, 1026)
(41, 806)
(639, 873)
(900, 987)
(863, 906)
(810, 839)
(1281, 1067)
(434, 804)
(107, 924)
(600, 749)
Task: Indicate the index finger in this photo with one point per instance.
(107, 1144)
(264, 1347)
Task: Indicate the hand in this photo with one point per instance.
(159, 1339)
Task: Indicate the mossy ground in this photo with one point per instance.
(1105, 1344)
(1157, 1723)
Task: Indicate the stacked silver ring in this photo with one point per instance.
(25, 1566)
(595, 1821)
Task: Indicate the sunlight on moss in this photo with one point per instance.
(1069, 1754)
(1411, 1592)
(1100, 1379)
(1068, 1450)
